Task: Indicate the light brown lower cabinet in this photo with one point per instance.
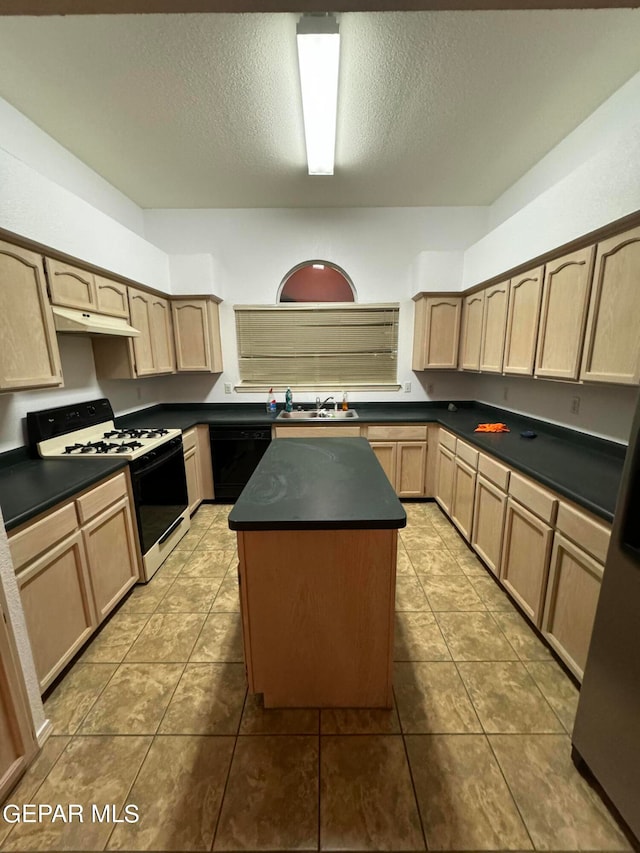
(488, 522)
(463, 496)
(73, 564)
(526, 553)
(198, 467)
(386, 452)
(571, 601)
(191, 467)
(411, 469)
(444, 478)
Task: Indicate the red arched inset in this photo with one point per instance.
(317, 282)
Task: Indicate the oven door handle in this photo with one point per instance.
(146, 468)
(170, 530)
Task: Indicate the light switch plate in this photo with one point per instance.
(407, 387)
(227, 387)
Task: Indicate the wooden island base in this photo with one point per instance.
(317, 616)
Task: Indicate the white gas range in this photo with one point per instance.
(156, 463)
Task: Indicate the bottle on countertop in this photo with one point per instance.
(288, 401)
(345, 401)
(271, 402)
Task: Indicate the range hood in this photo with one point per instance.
(84, 322)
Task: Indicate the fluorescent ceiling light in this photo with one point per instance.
(319, 57)
(318, 266)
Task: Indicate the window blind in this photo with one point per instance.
(317, 344)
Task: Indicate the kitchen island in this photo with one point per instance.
(317, 539)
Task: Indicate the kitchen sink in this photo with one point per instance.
(322, 415)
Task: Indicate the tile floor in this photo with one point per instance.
(475, 754)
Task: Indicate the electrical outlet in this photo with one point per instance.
(407, 387)
(227, 387)
(575, 405)
(430, 388)
(505, 393)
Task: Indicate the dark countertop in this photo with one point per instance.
(30, 486)
(318, 484)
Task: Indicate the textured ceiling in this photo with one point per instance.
(435, 108)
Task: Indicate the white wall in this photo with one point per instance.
(254, 249)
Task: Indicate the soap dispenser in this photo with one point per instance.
(288, 401)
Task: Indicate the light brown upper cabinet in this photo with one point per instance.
(71, 286)
(111, 298)
(565, 301)
(140, 312)
(162, 346)
(612, 343)
(494, 327)
(436, 332)
(29, 356)
(523, 314)
(471, 337)
(196, 326)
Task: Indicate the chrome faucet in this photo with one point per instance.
(319, 405)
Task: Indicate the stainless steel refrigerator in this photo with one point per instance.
(606, 736)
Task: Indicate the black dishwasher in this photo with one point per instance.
(235, 453)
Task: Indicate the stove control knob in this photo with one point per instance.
(91, 410)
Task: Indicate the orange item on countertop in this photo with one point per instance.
(492, 428)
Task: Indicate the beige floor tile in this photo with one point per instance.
(435, 562)
(557, 688)
(432, 699)
(134, 700)
(115, 639)
(258, 720)
(208, 563)
(470, 564)
(68, 704)
(167, 638)
(208, 512)
(474, 636)
(172, 566)
(359, 721)
(227, 599)
(463, 799)
(418, 637)
(561, 811)
(409, 594)
(421, 538)
(452, 538)
(91, 770)
(450, 592)
(146, 597)
(26, 788)
(190, 595)
(521, 636)
(201, 522)
(403, 563)
(507, 699)
(492, 595)
(218, 538)
(219, 640)
(190, 540)
(207, 701)
(360, 777)
(271, 800)
(178, 793)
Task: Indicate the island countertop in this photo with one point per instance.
(318, 484)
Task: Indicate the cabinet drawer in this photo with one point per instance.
(101, 497)
(447, 440)
(318, 432)
(465, 452)
(533, 497)
(40, 536)
(592, 535)
(494, 471)
(397, 433)
(189, 439)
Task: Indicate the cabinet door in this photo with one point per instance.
(444, 478)
(204, 462)
(612, 343)
(17, 739)
(111, 550)
(386, 454)
(464, 488)
(471, 337)
(419, 327)
(29, 356)
(140, 310)
(192, 468)
(111, 298)
(565, 300)
(494, 327)
(526, 552)
(192, 334)
(488, 522)
(58, 609)
(442, 332)
(162, 336)
(71, 286)
(571, 601)
(525, 295)
(411, 468)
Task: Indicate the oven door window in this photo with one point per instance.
(161, 497)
